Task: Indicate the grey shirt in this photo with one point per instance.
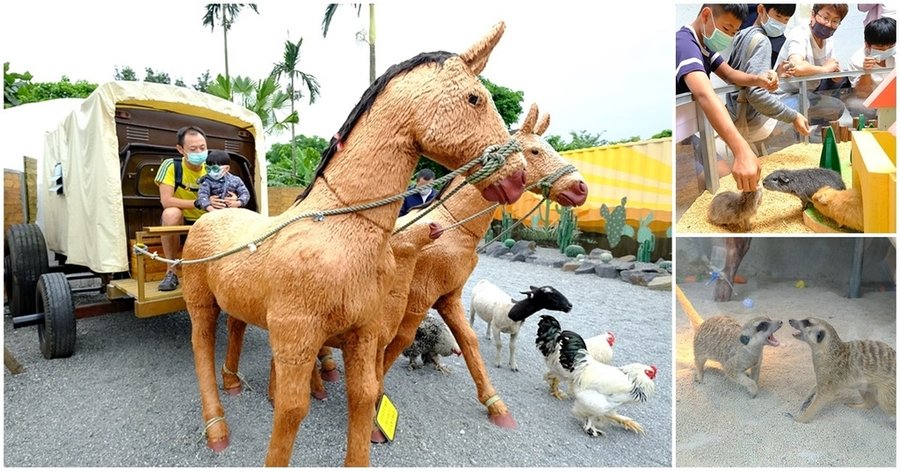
(755, 62)
(221, 188)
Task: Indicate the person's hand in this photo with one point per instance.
(746, 170)
(869, 63)
(832, 65)
(232, 201)
(768, 81)
(801, 125)
(786, 69)
(216, 202)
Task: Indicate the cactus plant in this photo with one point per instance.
(615, 223)
(506, 222)
(509, 243)
(565, 228)
(574, 250)
(645, 250)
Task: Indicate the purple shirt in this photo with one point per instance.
(690, 56)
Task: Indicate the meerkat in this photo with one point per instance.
(866, 366)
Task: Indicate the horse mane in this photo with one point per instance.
(365, 103)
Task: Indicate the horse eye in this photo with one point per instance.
(762, 326)
(473, 99)
(534, 151)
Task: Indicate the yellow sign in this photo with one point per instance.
(386, 417)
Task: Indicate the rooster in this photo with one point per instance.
(599, 346)
(601, 389)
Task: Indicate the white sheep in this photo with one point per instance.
(506, 315)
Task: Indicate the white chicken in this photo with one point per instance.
(600, 389)
(599, 346)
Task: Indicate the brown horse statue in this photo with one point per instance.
(443, 268)
(298, 284)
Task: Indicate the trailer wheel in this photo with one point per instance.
(27, 261)
(57, 332)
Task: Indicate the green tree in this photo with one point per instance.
(203, 82)
(281, 161)
(580, 140)
(507, 101)
(263, 97)
(289, 67)
(12, 82)
(225, 14)
(663, 133)
(32, 92)
(127, 74)
(326, 23)
(156, 77)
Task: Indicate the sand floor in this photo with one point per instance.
(718, 424)
(778, 212)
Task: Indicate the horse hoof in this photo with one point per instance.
(330, 375)
(233, 391)
(217, 445)
(378, 437)
(504, 421)
(320, 395)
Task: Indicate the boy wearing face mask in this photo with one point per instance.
(697, 54)
(809, 49)
(218, 182)
(424, 196)
(177, 197)
(880, 38)
(754, 109)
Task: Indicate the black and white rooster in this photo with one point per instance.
(599, 346)
(601, 389)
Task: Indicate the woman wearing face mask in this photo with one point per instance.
(219, 183)
(877, 52)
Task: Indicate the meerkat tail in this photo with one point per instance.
(692, 313)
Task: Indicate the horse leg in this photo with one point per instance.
(404, 336)
(329, 366)
(316, 386)
(452, 311)
(231, 381)
(362, 388)
(203, 340)
(271, 392)
(377, 436)
(294, 360)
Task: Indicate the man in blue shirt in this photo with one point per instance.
(424, 196)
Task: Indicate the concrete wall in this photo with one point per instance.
(818, 258)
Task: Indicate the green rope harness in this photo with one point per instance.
(492, 159)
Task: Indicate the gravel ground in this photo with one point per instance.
(128, 397)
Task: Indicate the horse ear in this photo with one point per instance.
(476, 57)
(530, 120)
(542, 125)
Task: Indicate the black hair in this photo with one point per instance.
(786, 9)
(881, 32)
(218, 157)
(739, 10)
(188, 130)
(425, 173)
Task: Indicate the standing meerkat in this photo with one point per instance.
(737, 347)
(866, 366)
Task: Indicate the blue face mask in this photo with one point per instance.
(197, 158)
(881, 55)
(773, 27)
(215, 172)
(719, 41)
(822, 31)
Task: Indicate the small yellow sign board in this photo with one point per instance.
(386, 417)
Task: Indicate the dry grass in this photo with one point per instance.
(778, 212)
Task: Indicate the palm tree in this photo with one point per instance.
(326, 23)
(263, 97)
(288, 66)
(225, 14)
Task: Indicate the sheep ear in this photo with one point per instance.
(534, 289)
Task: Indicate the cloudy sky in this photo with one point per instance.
(594, 67)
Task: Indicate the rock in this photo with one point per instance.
(520, 257)
(597, 253)
(585, 268)
(620, 265)
(662, 283)
(497, 250)
(570, 266)
(524, 246)
(558, 263)
(626, 258)
(605, 270)
(646, 266)
(639, 277)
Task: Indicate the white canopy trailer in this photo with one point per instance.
(96, 194)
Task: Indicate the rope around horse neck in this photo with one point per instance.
(491, 160)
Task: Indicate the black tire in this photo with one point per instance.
(54, 299)
(27, 253)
